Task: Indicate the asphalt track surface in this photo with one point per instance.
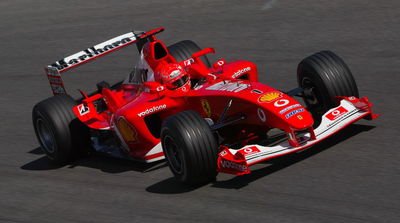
(351, 177)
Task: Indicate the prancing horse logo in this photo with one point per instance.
(206, 107)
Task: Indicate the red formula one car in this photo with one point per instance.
(203, 118)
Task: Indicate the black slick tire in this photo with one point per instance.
(184, 49)
(190, 148)
(323, 76)
(60, 134)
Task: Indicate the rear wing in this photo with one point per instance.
(54, 70)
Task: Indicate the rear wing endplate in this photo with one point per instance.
(54, 70)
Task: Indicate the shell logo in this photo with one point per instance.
(268, 97)
(127, 131)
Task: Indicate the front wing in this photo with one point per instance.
(351, 109)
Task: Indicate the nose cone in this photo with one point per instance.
(299, 118)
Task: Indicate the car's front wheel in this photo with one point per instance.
(323, 76)
(190, 148)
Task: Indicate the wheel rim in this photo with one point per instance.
(310, 92)
(46, 136)
(314, 99)
(312, 96)
(174, 155)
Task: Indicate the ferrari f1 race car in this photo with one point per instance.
(202, 117)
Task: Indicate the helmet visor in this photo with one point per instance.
(178, 83)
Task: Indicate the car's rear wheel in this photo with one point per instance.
(183, 50)
(60, 134)
(323, 76)
(190, 148)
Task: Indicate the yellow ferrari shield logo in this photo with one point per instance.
(206, 107)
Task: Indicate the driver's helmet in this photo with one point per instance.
(174, 77)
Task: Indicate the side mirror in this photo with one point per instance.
(154, 86)
(219, 63)
(203, 52)
(196, 56)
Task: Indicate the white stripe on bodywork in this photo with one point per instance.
(156, 149)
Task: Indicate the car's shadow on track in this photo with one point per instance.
(103, 163)
(170, 186)
(280, 163)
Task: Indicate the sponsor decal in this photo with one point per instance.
(268, 97)
(221, 62)
(336, 113)
(250, 150)
(174, 74)
(206, 107)
(281, 103)
(223, 153)
(261, 115)
(83, 110)
(288, 108)
(127, 131)
(228, 86)
(300, 117)
(342, 117)
(188, 61)
(151, 110)
(160, 88)
(94, 51)
(290, 114)
(240, 72)
(232, 165)
(257, 91)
